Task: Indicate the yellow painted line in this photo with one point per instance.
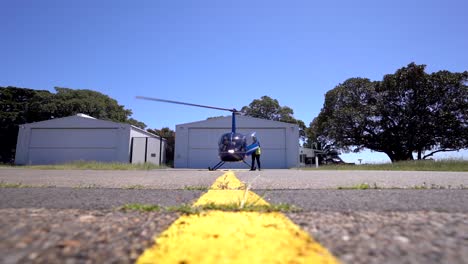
(224, 197)
(228, 181)
(227, 189)
(234, 237)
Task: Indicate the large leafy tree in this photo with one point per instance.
(451, 110)
(268, 108)
(70, 102)
(407, 112)
(20, 105)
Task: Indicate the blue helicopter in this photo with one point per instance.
(232, 146)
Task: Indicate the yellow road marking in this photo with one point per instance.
(228, 181)
(223, 197)
(227, 189)
(234, 237)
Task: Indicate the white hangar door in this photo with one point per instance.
(273, 144)
(203, 147)
(59, 145)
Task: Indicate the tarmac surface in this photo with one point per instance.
(265, 179)
(70, 216)
(307, 200)
(307, 189)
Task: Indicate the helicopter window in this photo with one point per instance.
(224, 142)
(232, 142)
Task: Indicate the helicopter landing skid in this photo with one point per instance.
(217, 166)
(221, 163)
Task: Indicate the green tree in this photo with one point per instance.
(215, 117)
(20, 105)
(136, 123)
(268, 108)
(71, 102)
(450, 112)
(407, 112)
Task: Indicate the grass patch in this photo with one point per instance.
(183, 209)
(234, 207)
(141, 207)
(93, 165)
(135, 187)
(14, 185)
(424, 186)
(20, 185)
(196, 188)
(87, 186)
(414, 165)
(362, 186)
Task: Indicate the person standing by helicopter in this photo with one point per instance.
(256, 154)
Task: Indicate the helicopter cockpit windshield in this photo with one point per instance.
(232, 146)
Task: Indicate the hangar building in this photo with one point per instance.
(196, 143)
(82, 137)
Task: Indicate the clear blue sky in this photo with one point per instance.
(223, 53)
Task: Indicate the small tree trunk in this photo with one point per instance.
(390, 155)
(400, 156)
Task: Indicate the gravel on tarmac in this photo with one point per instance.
(371, 200)
(389, 237)
(108, 236)
(91, 199)
(77, 236)
(387, 226)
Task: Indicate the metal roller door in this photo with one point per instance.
(203, 149)
(64, 145)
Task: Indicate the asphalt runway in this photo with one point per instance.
(450, 201)
(265, 179)
(69, 216)
(310, 190)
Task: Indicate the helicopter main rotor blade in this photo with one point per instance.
(183, 103)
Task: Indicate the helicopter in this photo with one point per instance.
(232, 146)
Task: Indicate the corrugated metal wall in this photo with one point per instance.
(145, 149)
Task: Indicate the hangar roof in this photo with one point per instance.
(241, 121)
(83, 121)
(78, 121)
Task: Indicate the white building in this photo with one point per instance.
(82, 137)
(196, 143)
(306, 156)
